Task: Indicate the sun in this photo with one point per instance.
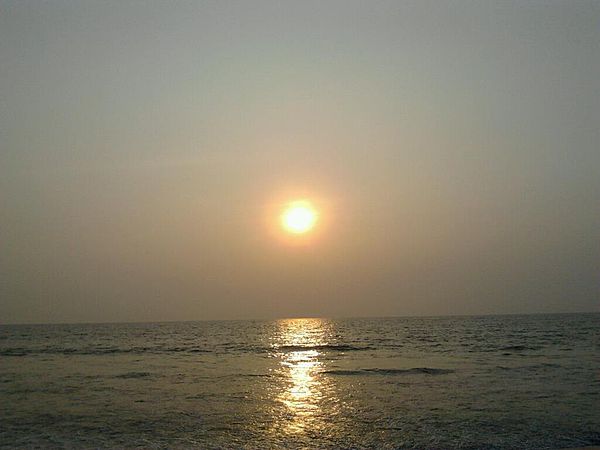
(299, 217)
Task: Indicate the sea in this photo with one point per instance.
(488, 382)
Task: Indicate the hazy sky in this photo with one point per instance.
(453, 150)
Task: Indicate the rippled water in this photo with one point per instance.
(462, 382)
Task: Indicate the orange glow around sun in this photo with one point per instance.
(299, 217)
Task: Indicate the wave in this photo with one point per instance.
(518, 348)
(21, 351)
(134, 375)
(323, 347)
(256, 375)
(377, 371)
(97, 351)
(531, 367)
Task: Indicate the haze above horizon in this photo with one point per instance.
(214, 160)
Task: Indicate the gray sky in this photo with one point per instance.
(452, 149)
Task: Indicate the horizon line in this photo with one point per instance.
(263, 319)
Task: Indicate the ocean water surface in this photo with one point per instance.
(494, 382)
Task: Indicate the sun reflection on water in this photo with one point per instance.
(297, 344)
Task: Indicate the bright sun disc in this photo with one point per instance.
(299, 217)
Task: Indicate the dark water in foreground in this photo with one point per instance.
(503, 382)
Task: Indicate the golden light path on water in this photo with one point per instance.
(306, 394)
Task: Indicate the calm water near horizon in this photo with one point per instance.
(497, 382)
